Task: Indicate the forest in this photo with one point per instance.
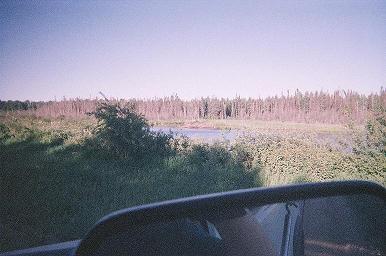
(339, 107)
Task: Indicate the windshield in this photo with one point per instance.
(106, 105)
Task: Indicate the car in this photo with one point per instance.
(329, 218)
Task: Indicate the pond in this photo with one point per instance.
(200, 133)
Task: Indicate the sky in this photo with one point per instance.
(145, 49)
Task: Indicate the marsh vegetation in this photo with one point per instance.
(58, 176)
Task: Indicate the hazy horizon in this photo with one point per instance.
(146, 49)
(98, 96)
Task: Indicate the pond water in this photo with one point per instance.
(200, 133)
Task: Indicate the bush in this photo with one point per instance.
(127, 135)
(205, 168)
(376, 130)
(4, 132)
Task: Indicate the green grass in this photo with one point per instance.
(55, 185)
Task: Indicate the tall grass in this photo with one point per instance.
(54, 189)
(57, 179)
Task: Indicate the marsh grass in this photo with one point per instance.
(55, 183)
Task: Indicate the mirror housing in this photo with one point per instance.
(222, 204)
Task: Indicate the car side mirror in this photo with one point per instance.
(332, 218)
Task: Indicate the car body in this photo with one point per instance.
(106, 232)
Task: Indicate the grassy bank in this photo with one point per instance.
(55, 184)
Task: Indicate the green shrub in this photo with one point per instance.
(376, 130)
(127, 135)
(4, 132)
(205, 168)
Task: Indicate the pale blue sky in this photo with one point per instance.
(193, 48)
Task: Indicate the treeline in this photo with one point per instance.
(14, 105)
(337, 107)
